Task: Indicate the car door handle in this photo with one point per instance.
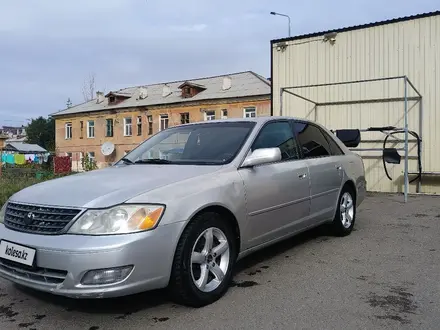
(302, 176)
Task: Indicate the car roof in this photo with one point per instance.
(261, 120)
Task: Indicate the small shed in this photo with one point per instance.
(21, 153)
(24, 148)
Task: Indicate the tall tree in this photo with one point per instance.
(41, 131)
(88, 88)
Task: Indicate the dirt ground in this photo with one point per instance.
(385, 275)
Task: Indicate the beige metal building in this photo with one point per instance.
(366, 76)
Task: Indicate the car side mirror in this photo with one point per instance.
(262, 156)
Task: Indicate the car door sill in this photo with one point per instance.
(253, 249)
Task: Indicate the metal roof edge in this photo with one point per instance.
(261, 78)
(184, 103)
(359, 27)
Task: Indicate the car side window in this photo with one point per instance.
(278, 134)
(335, 148)
(313, 142)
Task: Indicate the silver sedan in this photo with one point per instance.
(180, 210)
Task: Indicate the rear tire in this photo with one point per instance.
(345, 216)
(203, 262)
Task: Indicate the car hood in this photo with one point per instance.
(109, 186)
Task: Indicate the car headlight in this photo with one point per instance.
(122, 219)
(3, 212)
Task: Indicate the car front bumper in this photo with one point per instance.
(63, 260)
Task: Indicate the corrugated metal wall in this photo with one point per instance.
(408, 48)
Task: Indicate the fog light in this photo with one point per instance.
(106, 276)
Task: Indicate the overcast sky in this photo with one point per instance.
(48, 47)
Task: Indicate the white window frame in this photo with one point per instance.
(249, 110)
(211, 116)
(223, 114)
(163, 118)
(150, 124)
(90, 136)
(139, 124)
(128, 127)
(68, 131)
(89, 155)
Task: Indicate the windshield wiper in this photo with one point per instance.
(127, 161)
(153, 161)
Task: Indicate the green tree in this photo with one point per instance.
(41, 131)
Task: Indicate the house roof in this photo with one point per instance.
(243, 84)
(358, 27)
(24, 147)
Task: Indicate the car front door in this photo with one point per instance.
(277, 194)
(325, 170)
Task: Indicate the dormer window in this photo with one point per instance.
(191, 89)
(117, 97)
(186, 92)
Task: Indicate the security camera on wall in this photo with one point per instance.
(281, 46)
(330, 37)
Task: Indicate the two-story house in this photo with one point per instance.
(129, 116)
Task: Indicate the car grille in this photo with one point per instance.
(42, 275)
(38, 219)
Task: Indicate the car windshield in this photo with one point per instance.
(198, 144)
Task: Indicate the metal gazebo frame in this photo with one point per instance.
(405, 99)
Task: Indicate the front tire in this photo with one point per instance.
(203, 262)
(345, 216)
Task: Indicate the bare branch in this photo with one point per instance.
(88, 89)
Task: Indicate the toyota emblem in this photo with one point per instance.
(29, 218)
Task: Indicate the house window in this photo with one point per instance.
(90, 129)
(184, 118)
(111, 99)
(224, 114)
(91, 155)
(68, 131)
(210, 115)
(127, 126)
(250, 112)
(81, 124)
(109, 127)
(139, 125)
(150, 125)
(187, 92)
(163, 122)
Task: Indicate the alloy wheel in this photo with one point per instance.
(210, 259)
(347, 210)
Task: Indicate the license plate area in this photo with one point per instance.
(17, 253)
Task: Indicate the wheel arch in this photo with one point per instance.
(350, 184)
(226, 214)
(347, 184)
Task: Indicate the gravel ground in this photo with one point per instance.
(385, 275)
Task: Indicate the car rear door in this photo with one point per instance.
(325, 168)
(277, 194)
